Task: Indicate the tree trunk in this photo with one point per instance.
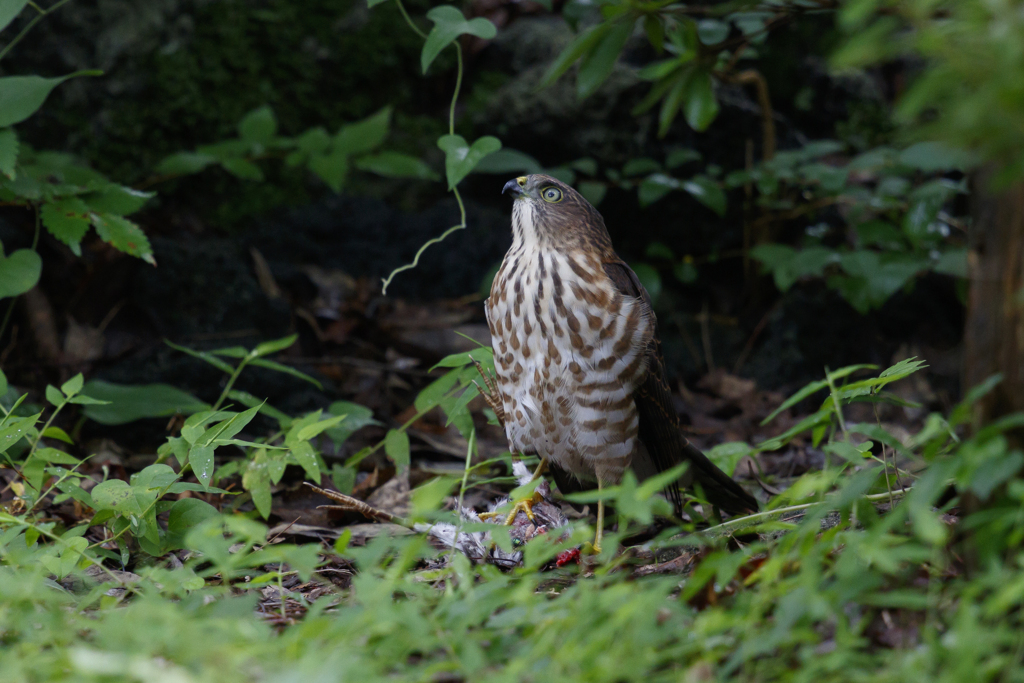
(994, 332)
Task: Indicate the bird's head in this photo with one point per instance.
(549, 214)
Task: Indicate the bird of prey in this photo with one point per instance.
(580, 381)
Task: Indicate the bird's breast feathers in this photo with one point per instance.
(569, 350)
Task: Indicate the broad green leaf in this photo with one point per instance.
(53, 455)
(3, 383)
(707, 192)
(373, 3)
(123, 235)
(8, 152)
(432, 394)
(72, 386)
(461, 157)
(304, 455)
(362, 136)
(592, 191)
(256, 480)
(457, 360)
(242, 169)
(654, 187)
(507, 160)
(68, 220)
(580, 46)
(728, 455)
(185, 163)
(396, 165)
(356, 417)
(19, 272)
(186, 514)
(115, 494)
(118, 199)
(200, 457)
(21, 96)
(259, 125)
(678, 157)
(597, 64)
(54, 396)
(701, 106)
(331, 168)
(449, 24)
(396, 445)
(16, 430)
(130, 402)
(673, 89)
(247, 399)
(9, 9)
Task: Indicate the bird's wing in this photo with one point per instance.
(665, 445)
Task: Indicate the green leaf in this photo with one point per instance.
(200, 457)
(19, 272)
(461, 158)
(362, 136)
(21, 96)
(331, 168)
(581, 45)
(54, 396)
(259, 125)
(592, 191)
(701, 106)
(304, 455)
(482, 354)
(204, 356)
(55, 456)
(373, 3)
(278, 367)
(184, 163)
(649, 278)
(654, 187)
(9, 9)
(269, 347)
(8, 152)
(242, 169)
(123, 235)
(118, 199)
(449, 24)
(598, 63)
(341, 544)
(72, 386)
(356, 417)
(396, 445)
(115, 494)
(309, 431)
(68, 220)
(707, 192)
(3, 383)
(396, 165)
(186, 514)
(507, 160)
(130, 402)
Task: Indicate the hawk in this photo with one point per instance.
(580, 381)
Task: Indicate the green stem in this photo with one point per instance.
(458, 87)
(231, 383)
(408, 20)
(462, 489)
(35, 20)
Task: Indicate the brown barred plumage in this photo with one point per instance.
(580, 379)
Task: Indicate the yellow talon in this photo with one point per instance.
(524, 505)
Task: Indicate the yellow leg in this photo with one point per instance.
(600, 523)
(523, 504)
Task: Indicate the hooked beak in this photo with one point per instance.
(515, 187)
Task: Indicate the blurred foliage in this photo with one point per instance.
(855, 576)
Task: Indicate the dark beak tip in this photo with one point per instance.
(513, 187)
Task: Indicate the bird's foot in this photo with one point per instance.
(492, 397)
(521, 505)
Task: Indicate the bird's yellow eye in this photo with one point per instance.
(552, 195)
